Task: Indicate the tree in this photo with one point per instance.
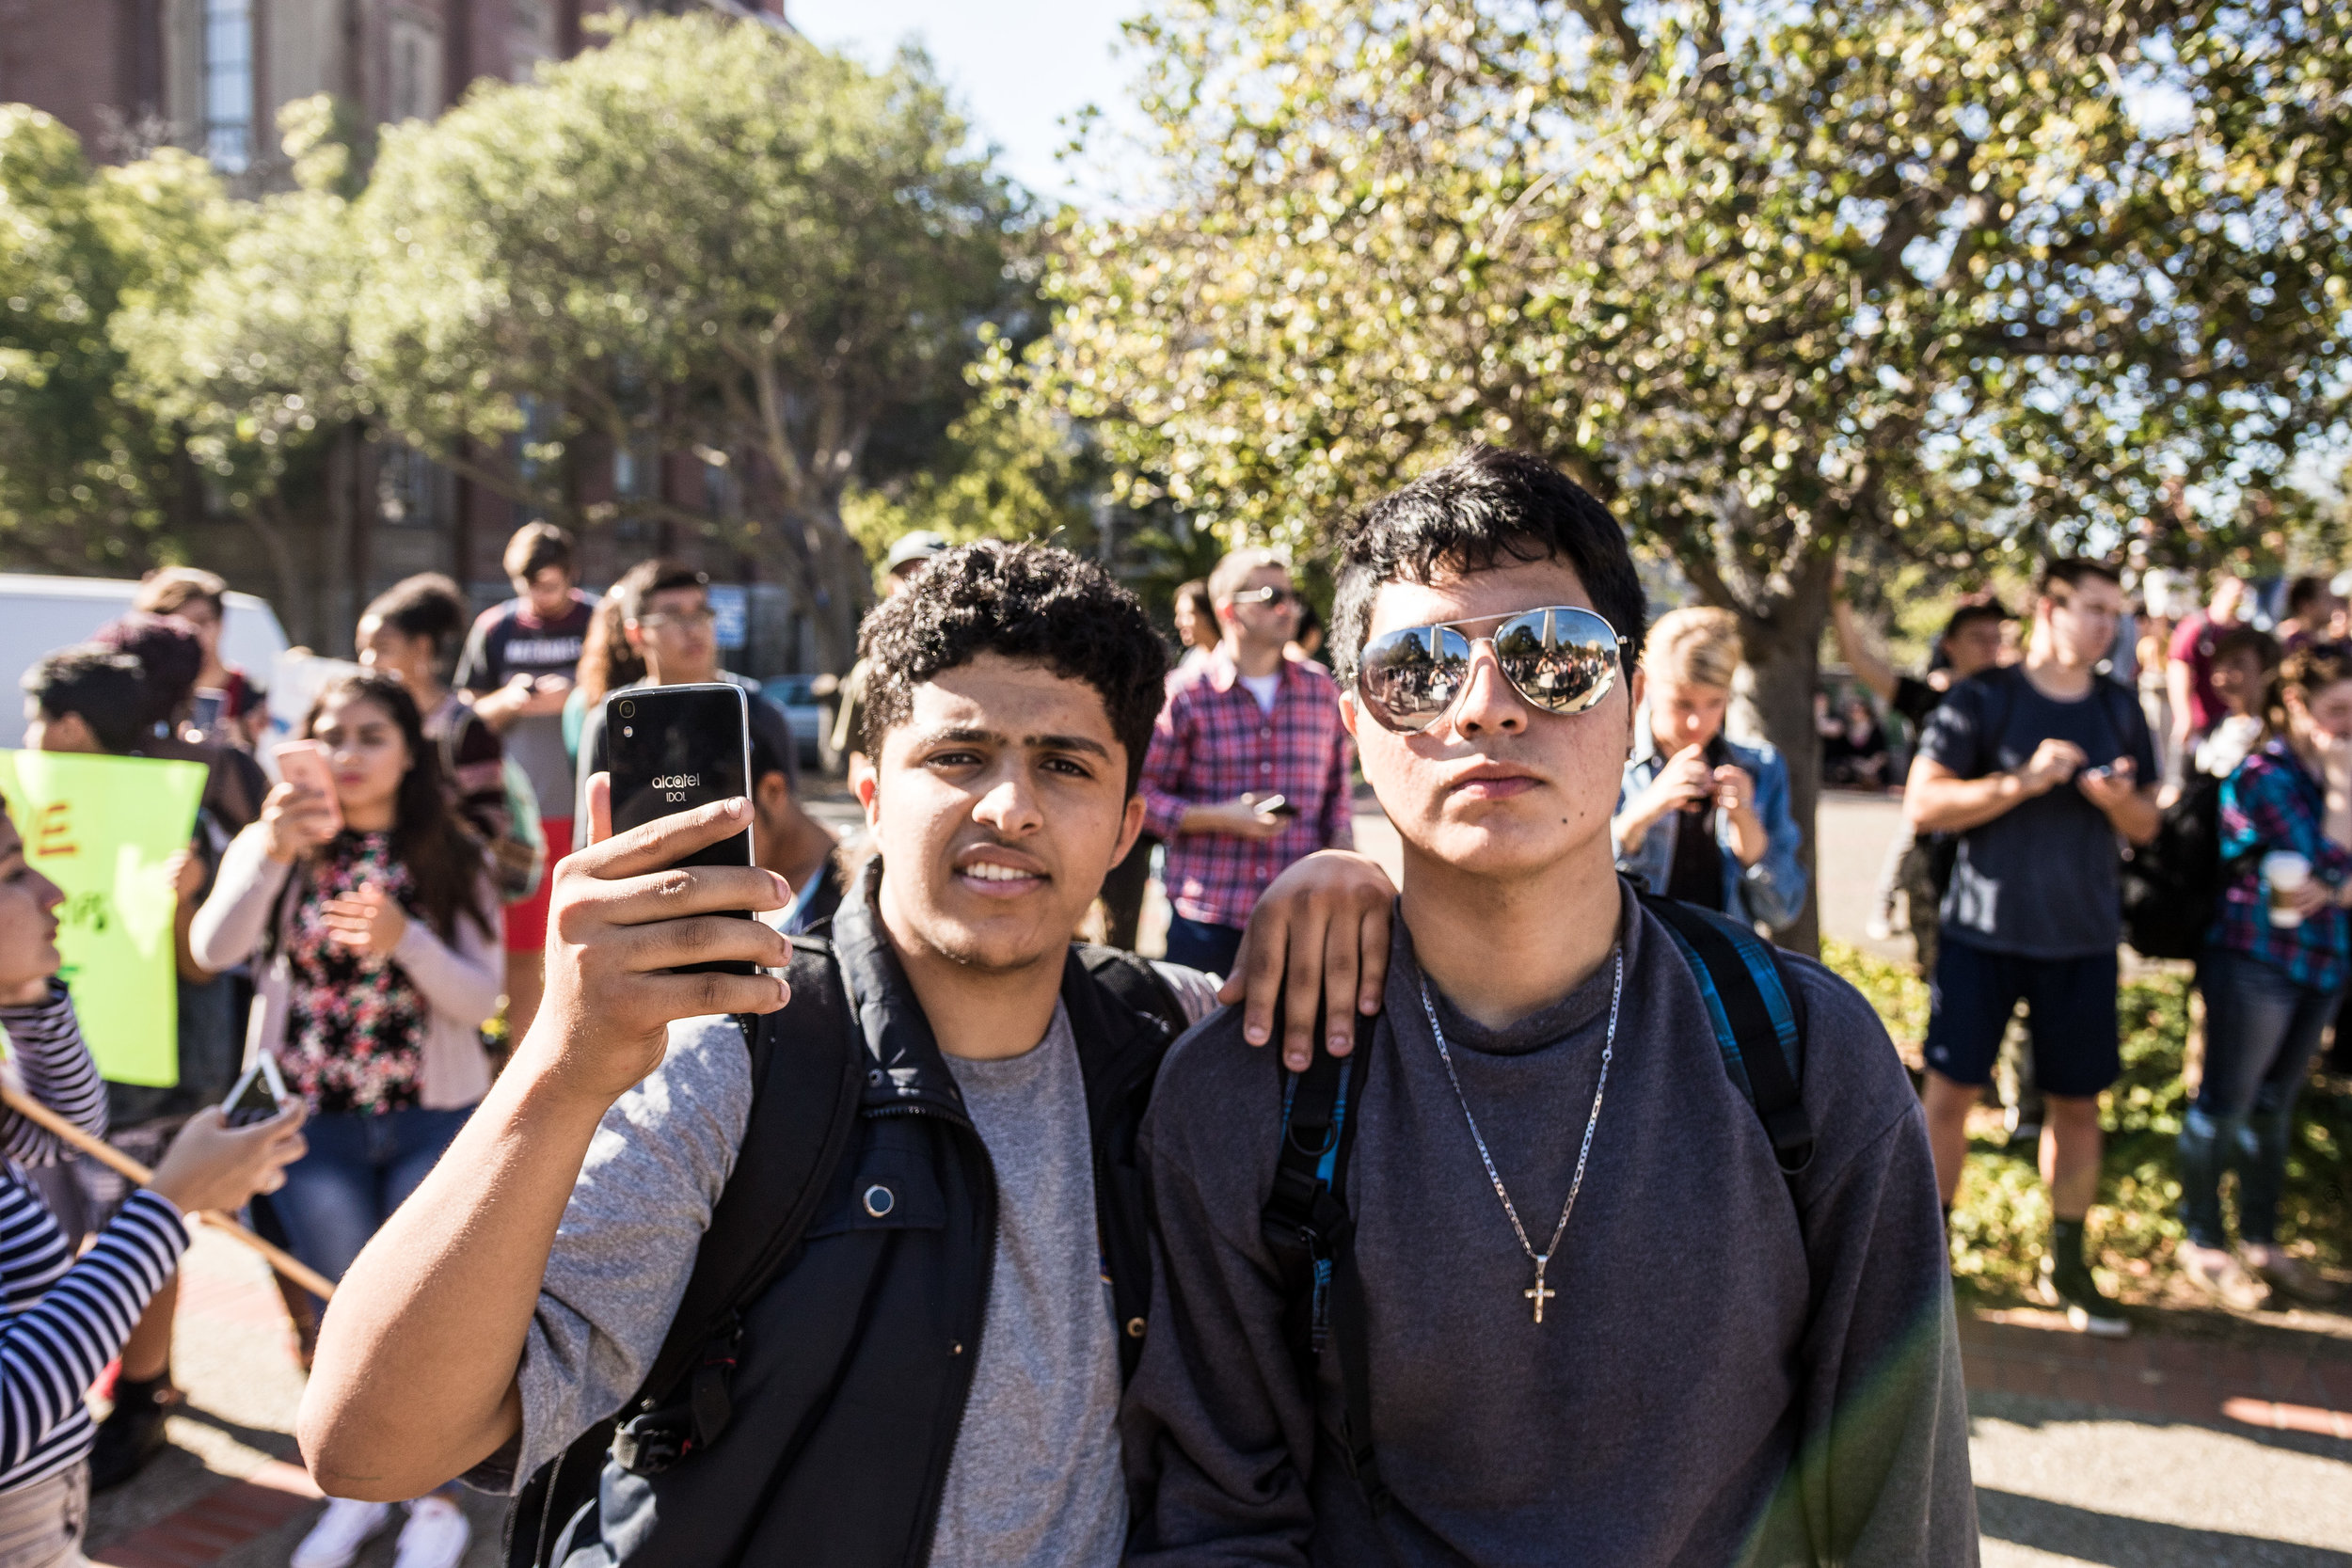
(1948, 279)
(705, 238)
(87, 479)
(249, 361)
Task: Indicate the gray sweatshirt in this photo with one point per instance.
(1725, 1377)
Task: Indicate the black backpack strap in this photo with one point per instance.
(807, 1075)
(1758, 1017)
(1135, 983)
(1308, 1229)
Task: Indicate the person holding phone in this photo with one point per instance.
(373, 918)
(933, 1377)
(63, 1318)
(1700, 817)
(1249, 767)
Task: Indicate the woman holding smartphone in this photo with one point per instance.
(373, 918)
(62, 1318)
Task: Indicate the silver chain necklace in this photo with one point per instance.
(1539, 1293)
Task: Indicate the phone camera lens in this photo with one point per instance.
(628, 710)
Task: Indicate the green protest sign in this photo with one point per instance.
(102, 828)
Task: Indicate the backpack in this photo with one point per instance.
(807, 1090)
(1758, 1017)
(2173, 884)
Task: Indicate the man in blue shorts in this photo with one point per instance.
(2043, 767)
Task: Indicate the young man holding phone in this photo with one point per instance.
(933, 1375)
(1249, 767)
(1598, 1322)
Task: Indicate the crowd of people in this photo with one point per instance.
(944, 1234)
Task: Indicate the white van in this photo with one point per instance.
(41, 614)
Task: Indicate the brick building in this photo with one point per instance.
(211, 75)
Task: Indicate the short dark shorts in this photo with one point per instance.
(2070, 1007)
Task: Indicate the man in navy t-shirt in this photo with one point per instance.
(519, 663)
(2040, 767)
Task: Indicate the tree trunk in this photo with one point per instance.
(1784, 646)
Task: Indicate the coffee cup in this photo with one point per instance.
(2284, 873)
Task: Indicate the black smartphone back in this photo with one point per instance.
(673, 748)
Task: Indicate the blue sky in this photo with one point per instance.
(1019, 69)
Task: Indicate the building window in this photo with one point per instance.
(415, 75)
(409, 489)
(228, 83)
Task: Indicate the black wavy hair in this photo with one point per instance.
(1484, 508)
(446, 862)
(107, 689)
(428, 605)
(168, 652)
(1026, 602)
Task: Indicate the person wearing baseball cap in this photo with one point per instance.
(902, 566)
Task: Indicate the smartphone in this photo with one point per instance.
(1277, 805)
(257, 1095)
(304, 763)
(673, 748)
(207, 715)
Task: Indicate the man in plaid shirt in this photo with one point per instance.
(1249, 767)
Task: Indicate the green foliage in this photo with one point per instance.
(699, 237)
(1766, 280)
(2002, 1221)
(250, 360)
(86, 476)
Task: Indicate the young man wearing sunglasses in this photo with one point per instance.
(1249, 767)
(1593, 1320)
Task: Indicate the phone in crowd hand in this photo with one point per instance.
(673, 748)
(258, 1093)
(304, 763)
(1277, 805)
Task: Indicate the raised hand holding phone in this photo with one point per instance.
(302, 811)
(674, 748)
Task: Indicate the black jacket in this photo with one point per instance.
(854, 1367)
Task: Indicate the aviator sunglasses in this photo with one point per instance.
(1560, 658)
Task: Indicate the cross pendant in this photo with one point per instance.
(1541, 1293)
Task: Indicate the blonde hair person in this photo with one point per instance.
(1701, 817)
(1698, 645)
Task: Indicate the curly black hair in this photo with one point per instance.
(1026, 602)
(1486, 507)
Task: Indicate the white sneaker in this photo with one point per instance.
(341, 1530)
(435, 1535)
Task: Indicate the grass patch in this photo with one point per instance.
(2003, 1217)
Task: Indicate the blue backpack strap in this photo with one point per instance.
(1755, 1012)
(1308, 1228)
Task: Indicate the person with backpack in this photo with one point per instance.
(853, 1282)
(2040, 767)
(2275, 965)
(1540, 1273)
(373, 921)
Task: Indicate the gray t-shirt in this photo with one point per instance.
(1722, 1377)
(1036, 1474)
(1034, 1477)
(2041, 878)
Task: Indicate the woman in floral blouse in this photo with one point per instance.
(378, 952)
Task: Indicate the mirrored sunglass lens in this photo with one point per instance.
(1412, 674)
(1564, 661)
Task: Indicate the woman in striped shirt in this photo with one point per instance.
(61, 1320)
